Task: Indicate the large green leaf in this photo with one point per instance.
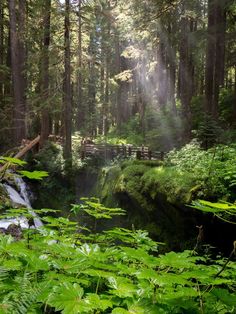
(122, 287)
(225, 297)
(36, 175)
(67, 297)
(12, 160)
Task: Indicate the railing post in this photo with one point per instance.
(138, 154)
(142, 152)
(124, 151)
(83, 152)
(129, 151)
(162, 155)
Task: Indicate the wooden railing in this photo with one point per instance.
(107, 151)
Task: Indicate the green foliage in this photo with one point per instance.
(223, 210)
(170, 182)
(93, 208)
(208, 131)
(129, 133)
(12, 161)
(119, 271)
(214, 170)
(50, 158)
(36, 175)
(226, 106)
(163, 129)
(130, 182)
(185, 174)
(59, 181)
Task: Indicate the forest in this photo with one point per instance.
(118, 156)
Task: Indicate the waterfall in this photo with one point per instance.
(20, 197)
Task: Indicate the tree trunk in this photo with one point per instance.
(80, 109)
(118, 92)
(92, 125)
(45, 118)
(185, 76)
(107, 87)
(18, 80)
(162, 73)
(67, 87)
(1, 53)
(220, 29)
(104, 77)
(210, 60)
(171, 54)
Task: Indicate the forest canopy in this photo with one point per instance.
(153, 72)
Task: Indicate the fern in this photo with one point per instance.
(23, 298)
(117, 271)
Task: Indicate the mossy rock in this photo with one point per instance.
(152, 197)
(179, 187)
(5, 201)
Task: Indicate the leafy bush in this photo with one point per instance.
(185, 175)
(215, 169)
(209, 131)
(226, 106)
(223, 210)
(58, 268)
(129, 132)
(59, 181)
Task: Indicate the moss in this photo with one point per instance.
(148, 163)
(143, 182)
(107, 182)
(176, 185)
(150, 195)
(130, 182)
(4, 199)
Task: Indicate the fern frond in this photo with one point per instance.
(3, 274)
(23, 298)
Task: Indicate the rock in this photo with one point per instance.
(15, 231)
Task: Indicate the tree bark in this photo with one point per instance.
(210, 60)
(18, 80)
(80, 109)
(45, 118)
(107, 88)
(162, 72)
(220, 29)
(171, 54)
(185, 76)
(118, 92)
(92, 125)
(1, 52)
(67, 86)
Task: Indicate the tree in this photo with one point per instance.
(45, 118)
(215, 55)
(17, 68)
(67, 85)
(143, 70)
(80, 111)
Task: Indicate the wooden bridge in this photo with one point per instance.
(107, 151)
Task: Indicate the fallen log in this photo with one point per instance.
(25, 149)
(21, 153)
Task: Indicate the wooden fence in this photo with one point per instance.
(107, 151)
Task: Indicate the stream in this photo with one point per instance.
(20, 196)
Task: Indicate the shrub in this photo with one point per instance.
(59, 269)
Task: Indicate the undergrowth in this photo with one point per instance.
(66, 267)
(185, 175)
(59, 268)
